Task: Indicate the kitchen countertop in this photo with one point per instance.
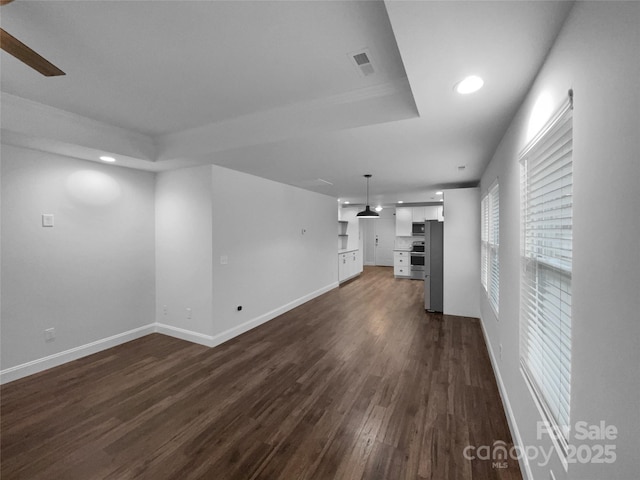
(347, 250)
(407, 249)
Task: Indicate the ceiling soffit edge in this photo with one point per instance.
(289, 121)
(28, 118)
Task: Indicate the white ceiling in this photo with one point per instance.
(268, 87)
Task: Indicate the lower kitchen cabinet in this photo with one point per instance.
(402, 271)
(402, 264)
(349, 265)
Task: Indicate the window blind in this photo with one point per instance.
(494, 241)
(484, 238)
(545, 303)
(490, 234)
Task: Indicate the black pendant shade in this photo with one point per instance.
(367, 212)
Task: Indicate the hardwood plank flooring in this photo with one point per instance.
(359, 383)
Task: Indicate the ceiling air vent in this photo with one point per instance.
(362, 61)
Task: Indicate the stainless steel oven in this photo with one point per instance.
(417, 260)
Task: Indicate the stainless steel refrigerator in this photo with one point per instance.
(433, 265)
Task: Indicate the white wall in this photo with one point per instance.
(124, 246)
(206, 213)
(461, 252)
(91, 276)
(184, 261)
(272, 266)
(596, 54)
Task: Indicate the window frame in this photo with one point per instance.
(546, 271)
(490, 245)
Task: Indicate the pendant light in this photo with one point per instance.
(367, 212)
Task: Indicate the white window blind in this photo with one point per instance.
(484, 237)
(490, 235)
(545, 304)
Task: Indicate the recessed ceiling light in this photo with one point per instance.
(438, 193)
(107, 159)
(347, 203)
(470, 84)
(442, 199)
(378, 208)
(400, 201)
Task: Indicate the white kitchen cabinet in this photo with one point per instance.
(402, 264)
(404, 219)
(401, 272)
(349, 265)
(431, 212)
(343, 267)
(357, 258)
(419, 214)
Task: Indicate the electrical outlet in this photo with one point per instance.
(188, 313)
(49, 334)
(164, 310)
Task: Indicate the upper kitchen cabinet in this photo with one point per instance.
(434, 213)
(419, 214)
(404, 219)
(406, 216)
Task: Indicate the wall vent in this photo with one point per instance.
(362, 61)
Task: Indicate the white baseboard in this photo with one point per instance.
(511, 420)
(220, 338)
(246, 326)
(183, 334)
(35, 366)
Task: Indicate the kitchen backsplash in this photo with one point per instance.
(404, 242)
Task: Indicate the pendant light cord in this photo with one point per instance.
(367, 190)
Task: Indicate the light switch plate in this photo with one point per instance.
(224, 260)
(47, 219)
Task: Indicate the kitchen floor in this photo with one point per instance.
(357, 383)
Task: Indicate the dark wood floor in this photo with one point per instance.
(358, 383)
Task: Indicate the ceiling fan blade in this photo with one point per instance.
(15, 47)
